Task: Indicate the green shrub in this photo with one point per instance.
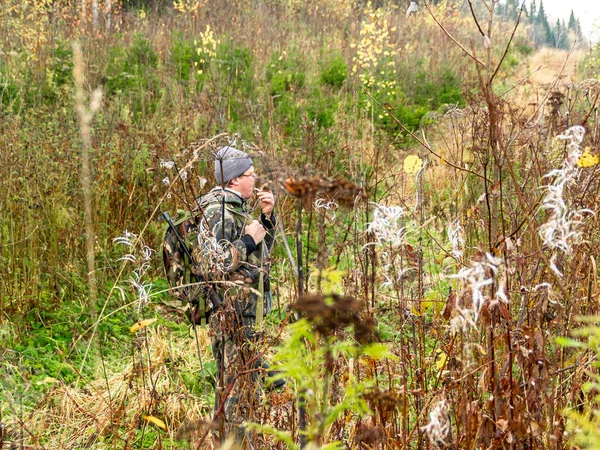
(183, 57)
(523, 46)
(141, 53)
(62, 64)
(132, 68)
(334, 71)
(321, 109)
(435, 93)
(286, 72)
(131, 72)
(235, 63)
(9, 93)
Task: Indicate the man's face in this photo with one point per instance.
(244, 184)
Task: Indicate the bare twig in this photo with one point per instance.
(469, 54)
(512, 36)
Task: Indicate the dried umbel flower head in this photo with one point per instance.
(368, 434)
(384, 401)
(333, 313)
(439, 428)
(338, 189)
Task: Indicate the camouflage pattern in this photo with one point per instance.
(179, 271)
(233, 333)
(228, 230)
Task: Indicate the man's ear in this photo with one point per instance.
(234, 182)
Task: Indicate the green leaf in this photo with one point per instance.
(568, 342)
(378, 351)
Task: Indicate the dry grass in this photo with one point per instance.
(70, 417)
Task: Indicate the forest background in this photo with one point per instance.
(431, 188)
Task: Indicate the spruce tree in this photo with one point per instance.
(532, 11)
(572, 22)
(546, 30)
(512, 9)
(579, 32)
(560, 35)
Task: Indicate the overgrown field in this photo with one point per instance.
(436, 270)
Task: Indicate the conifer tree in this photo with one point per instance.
(512, 9)
(546, 30)
(560, 35)
(532, 11)
(572, 22)
(579, 32)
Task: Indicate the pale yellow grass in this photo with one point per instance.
(551, 62)
(79, 417)
(545, 69)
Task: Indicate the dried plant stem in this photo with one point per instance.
(469, 54)
(421, 142)
(85, 116)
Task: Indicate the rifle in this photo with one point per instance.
(210, 291)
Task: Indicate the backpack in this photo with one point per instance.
(178, 269)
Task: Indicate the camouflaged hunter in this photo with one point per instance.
(230, 253)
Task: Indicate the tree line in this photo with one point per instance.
(560, 35)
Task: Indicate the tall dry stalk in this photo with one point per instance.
(85, 116)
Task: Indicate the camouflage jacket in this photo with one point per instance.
(234, 253)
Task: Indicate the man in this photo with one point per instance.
(244, 244)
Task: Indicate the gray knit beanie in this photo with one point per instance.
(230, 163)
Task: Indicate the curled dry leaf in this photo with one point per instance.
(159, 423)
(142, 324)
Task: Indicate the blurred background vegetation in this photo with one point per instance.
(296, 79)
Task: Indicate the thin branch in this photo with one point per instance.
(521, 81)
(469, 54)
(475, 19)
(562, 69)
(593, 107)
(512, 36)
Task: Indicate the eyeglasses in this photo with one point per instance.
(253, 175)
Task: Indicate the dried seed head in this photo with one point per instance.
(439, 428)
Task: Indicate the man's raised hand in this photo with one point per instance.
(256, 230)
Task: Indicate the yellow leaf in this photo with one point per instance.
(159, 423)
(332, 280)
(412, 164)
(587, 159)
(141, 324)
(47, 380)
(440, 361)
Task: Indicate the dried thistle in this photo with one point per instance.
(560, 232)
(386, 225)
(439, 428)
